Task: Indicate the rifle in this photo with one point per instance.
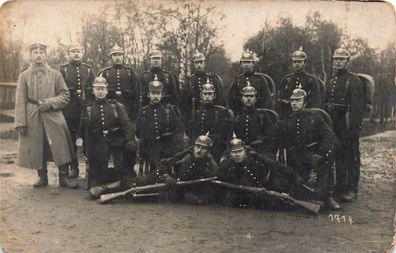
(141, 189)
(311, 207)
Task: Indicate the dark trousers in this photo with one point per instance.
(100, 151)
(347, 165)
(72, 125)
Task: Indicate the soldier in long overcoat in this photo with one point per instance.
(43, 134)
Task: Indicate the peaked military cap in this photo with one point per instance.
(155, 85)
(236, 144)
(341, 53)
(116, 49)
(100, 81)
(37, 46)
(74, 46)
(299, 55)
(204, 140)
(155, 53)
(298, 93)
(198, 56)
(249, 89)
(208, 87)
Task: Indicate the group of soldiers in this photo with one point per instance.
(285, 137)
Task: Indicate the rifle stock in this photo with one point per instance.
(312, 207)
(141, 189)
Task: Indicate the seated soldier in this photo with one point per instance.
(255, 125)
(243, 166)
(309, 143)
(195, 162)
(110, 134)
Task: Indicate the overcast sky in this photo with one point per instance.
(375, 22)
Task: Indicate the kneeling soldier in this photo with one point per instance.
(110, 134)
(310, 143)
(243, 166)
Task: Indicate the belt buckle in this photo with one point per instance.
(118, 93)
(105, 132)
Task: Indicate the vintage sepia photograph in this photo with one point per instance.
(197, 126)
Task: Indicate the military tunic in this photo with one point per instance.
(78, 77)
(122, 86)
(109, 130)
(293, 81)
(345, 99)
(160, 130)
(304, 134)
(259, 82)
(218, 121)
(170, 92)
(193, 89)
(255, 126)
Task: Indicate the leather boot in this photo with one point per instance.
(74, 171)
(96, 191)
(43, 179)
(63, 180)
(332, 204)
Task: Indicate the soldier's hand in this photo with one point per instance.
(131, 146)
(315, 160)
(299, 180)
(22, 130)
(170, 181)
(44, 106)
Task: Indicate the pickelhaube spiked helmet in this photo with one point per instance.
(341, 53)
(208, 87)
(236, 144)
(155, 85)
(198, 56)
(249, 89)
(298, 93)
(100, 81)
(299, 55)
(204, 140)
(247, 56)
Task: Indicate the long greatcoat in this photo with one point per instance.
(37, 83)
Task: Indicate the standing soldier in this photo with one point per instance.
(255, 125)
(215, 119)
(191, 95)
(158, 127)
(43, 135)
(345, 102)
(310, 143)
(257, 80)
(170, 93)
(110, 134)
(122, 82)
(78, 77)
(298, 80)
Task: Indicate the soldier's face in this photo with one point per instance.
(76, 54)
(155, 97)
(248, 100)
(156, 62)
(208, 97)
(38, 56)
(200, 151)
(238, 155)
(100, 92)
(117, 58)
(199, 66)
(298, 65)
(297, 104)
(340, 63)
(247, 66)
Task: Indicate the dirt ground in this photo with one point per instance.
(54, 219)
